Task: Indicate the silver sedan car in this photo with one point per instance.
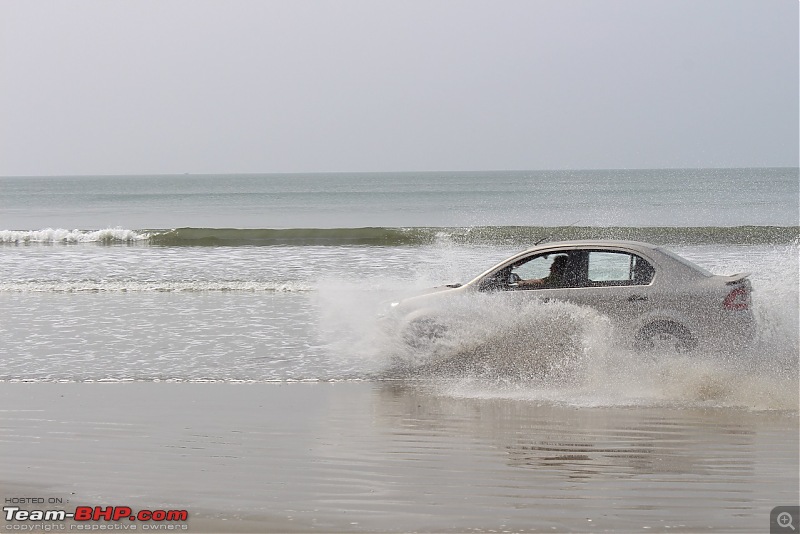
(654, 298)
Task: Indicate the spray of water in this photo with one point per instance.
(563, 353)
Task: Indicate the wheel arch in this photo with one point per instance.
(659, 316)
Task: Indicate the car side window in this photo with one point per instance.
(607, 268)
(642, 271)
(552, 270)
(538, 267)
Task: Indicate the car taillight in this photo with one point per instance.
(738, 299)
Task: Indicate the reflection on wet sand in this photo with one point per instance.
(396, 456)
(703, 465)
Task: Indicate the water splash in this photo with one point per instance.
(561, 353)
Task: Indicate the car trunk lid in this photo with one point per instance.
(734, 279)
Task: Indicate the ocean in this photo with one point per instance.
(275, 280)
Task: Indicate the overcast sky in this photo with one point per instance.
(173, 86)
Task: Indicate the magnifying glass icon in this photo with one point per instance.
(785, 520)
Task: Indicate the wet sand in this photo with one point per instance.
(391, 457)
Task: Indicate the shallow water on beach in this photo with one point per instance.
(397, 457)
(294, 314)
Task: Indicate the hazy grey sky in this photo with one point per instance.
(173, 86)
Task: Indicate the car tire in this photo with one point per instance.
(667, 335)
(422, 333)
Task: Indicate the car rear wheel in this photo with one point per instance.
(665, 336)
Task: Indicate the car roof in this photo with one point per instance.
(589, 243)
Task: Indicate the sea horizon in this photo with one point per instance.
(418, 171)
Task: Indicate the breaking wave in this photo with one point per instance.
(107, 236)
(522, 236)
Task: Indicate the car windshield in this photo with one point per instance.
(685, 262)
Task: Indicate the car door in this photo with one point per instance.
(617, 284)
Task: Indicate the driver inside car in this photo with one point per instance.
(556, 278)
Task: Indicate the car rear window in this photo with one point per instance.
(684, 261)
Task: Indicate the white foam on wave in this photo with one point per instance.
(61, 235)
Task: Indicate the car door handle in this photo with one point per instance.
(637, 298)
